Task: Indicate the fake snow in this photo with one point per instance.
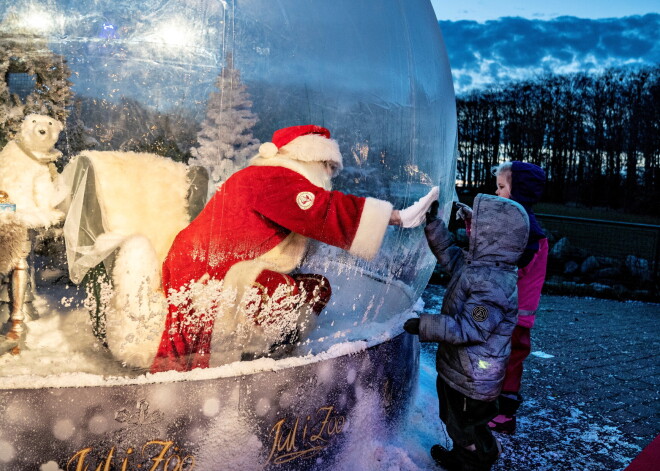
(61, 350)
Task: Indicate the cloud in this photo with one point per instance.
(497, 51)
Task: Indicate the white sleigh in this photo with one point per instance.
(125, 210)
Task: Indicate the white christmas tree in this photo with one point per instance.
(225, 139)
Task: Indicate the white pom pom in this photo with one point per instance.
(267, 150)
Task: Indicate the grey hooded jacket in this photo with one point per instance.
(480, 307)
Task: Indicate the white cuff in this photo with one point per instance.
(371, 230)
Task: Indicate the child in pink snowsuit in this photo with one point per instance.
(522, 182)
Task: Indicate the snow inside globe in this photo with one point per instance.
(210, 227)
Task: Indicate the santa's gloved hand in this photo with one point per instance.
(412, 326)
(463, 212)
(415, 215)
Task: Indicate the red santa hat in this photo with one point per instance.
(308, 143)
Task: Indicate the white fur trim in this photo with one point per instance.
(141, 193)
(268, 150)
(313, 148)
(283, 258)
(371, 230)
(135, 321)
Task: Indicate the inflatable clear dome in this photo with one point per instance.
(132, 132)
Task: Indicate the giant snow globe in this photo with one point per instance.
(124, 122)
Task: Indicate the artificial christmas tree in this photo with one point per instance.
(225, 139)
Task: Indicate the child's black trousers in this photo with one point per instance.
(467, 420)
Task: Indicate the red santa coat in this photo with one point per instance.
(258, 219)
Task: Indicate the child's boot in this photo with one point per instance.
(503, 424)
(446, 458)
(473, 461)
(508, 406)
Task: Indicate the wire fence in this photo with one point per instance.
(612, 239)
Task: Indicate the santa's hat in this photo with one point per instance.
(308, 143)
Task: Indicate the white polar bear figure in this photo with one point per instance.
(27, 172)
(30, 180)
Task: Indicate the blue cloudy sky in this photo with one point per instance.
(492, 42)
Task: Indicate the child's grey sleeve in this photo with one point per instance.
(441, 243)
(481, 314)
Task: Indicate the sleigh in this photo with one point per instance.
(125, 210)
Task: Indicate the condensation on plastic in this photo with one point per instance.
(374, 72)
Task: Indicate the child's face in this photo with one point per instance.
(503, 186)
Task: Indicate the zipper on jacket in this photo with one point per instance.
(465, 404)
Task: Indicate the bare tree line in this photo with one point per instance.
(597, 136)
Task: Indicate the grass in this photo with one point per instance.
(577, 211)
(594, 213)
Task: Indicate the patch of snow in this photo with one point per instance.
(542, 354)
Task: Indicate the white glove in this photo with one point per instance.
(415, 215)
(463, 212)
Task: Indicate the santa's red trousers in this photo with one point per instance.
(314, 289)
(183, 351)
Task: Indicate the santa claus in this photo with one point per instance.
(228, 274)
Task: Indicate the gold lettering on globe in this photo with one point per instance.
(305, 438)
(163, 455)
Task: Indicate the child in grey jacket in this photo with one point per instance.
(474, 327)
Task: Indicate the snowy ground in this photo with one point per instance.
(581, 397)
(554, 433)
(549, 438)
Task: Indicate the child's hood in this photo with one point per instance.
(500, 228)
(527, 183)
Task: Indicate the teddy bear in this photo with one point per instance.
(31, 189)
(28, 174)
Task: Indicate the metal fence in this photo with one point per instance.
(608, 238)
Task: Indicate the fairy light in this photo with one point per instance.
(175, 33)
(38, 20)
